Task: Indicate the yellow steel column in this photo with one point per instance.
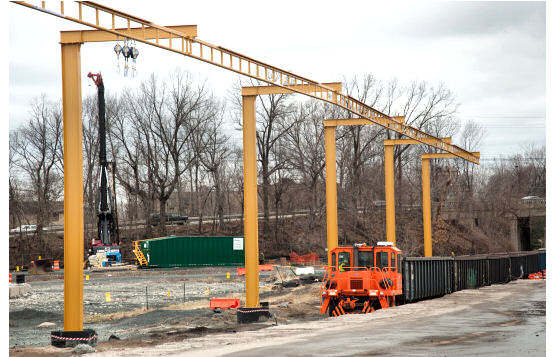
(389, 193)
(250, 202)
(331, 198)
(425, 179)
(73, 187)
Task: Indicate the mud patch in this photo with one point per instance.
(511, 323)
(444, 341)
(538, 309)
(30, 317)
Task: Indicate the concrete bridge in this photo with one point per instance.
(526, 215)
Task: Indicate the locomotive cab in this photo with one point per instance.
(361, 279)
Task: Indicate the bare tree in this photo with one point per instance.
(161, 117)
(359, 143)
(39, 155)
(126, 142)
(271, 127)
(304, 145)
(212, 150)
(90, 161)
(471, 138)
(15, 184)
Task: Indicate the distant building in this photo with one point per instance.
(27, 213)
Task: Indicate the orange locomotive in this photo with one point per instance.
(361, 279)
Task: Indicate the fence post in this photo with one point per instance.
(147, 297)
(184, 292)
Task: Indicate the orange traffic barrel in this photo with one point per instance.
(10, 277)
(56, 265)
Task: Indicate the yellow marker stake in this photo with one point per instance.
(86, 277)
(17, 269)
(108, 298)
(169, 294)
(227, 275)
(39, 257)
(207, 291)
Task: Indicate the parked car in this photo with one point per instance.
(172, 218)
(24, 228)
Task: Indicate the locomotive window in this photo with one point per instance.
(365, 259)
(344, 258)
(382, 259)
(399, 262)
(393, 261)
(333, 261)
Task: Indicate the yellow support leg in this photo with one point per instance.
(73, 187)
(250, 202)
(389, 193)
(331, 197)
(425, 179)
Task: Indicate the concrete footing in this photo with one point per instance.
(73, 338)
(246, 315)
(17, 290)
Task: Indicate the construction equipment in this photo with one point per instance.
(40, 266)
(108, 240)
(361, 279)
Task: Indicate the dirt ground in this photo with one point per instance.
(493, 320)
(173, 314)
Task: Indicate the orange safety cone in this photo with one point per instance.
(10, 277)
(56, 265)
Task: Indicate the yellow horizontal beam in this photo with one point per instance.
(356, 121)
(146, 33)
(392, 142)
(447, 155)
(308, 88)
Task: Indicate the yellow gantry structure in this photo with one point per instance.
(249, 96)
(182, 40)
(330, 174)
(389, 183)
(425, 180)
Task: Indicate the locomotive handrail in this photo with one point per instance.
(384, 277)
(324, 280)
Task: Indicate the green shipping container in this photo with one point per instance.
(170, 252)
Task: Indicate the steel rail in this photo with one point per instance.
(247, 66)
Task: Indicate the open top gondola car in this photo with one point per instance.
(361, 279)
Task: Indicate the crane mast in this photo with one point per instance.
(107, 228)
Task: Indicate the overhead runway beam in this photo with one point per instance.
(249, 96)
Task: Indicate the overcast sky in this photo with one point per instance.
(490, 54)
